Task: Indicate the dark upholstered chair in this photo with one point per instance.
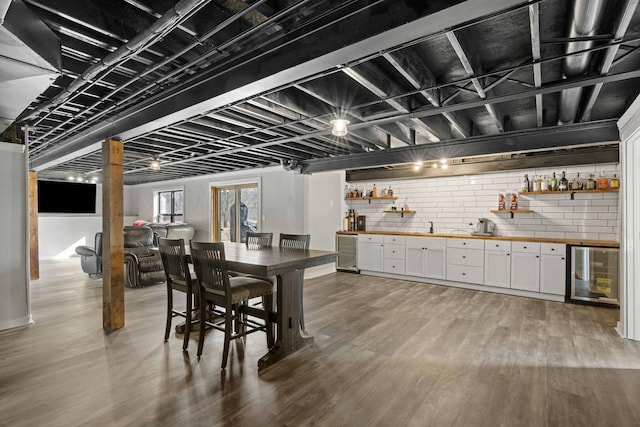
(91, 258)
(301, 242)
(143, 265)
(231, 294)
(178, 277)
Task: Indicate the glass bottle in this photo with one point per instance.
(536, 184)
(564, 183)
(590, 184)
(615, 182)
(554, 182)
(525, 183)
(389, 191)
(346, 190)
(603, 181)
(374, 191)
(576, 184)
(544, 184)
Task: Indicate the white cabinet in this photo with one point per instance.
(394, 253)
(426, 257)
(553, 268)
(497, 263)
(465, 260)
(370, 252)
(525, 266)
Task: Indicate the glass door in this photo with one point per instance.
(594, 274)
(231, 223)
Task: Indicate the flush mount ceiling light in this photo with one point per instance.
(155, 164)
(339, 127)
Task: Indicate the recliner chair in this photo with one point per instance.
(142, 261)
(91, 258)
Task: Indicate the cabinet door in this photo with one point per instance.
(435, 263)
(413, 261)
(370, 256)
(497, 269)
(525, 271)
(553, 274)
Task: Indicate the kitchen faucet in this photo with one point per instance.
(431, 227)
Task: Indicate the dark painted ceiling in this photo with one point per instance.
(223, 85)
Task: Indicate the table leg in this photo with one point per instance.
(289, 338)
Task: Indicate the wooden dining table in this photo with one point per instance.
(288, 266)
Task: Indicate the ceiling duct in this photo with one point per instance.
(585, 19)
(30, 59)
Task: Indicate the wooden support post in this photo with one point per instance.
(112, 235)
(34, 258)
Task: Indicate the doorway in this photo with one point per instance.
(230, 224)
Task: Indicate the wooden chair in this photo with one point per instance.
(259, 240)
(176, 270)
(296, 241)
(231, 294)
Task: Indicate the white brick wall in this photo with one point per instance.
(452, 203)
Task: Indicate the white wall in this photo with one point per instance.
(454, 202)
(282, 199)
(14, 291)
(323, 206)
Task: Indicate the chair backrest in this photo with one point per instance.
(294, 241)
(210, 267)
(174, 261)
(137, 237)
(259, 240)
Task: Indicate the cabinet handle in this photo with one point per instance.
(537, 256)
(508, 254)
(464, 274)
(562, 258)
(393, 252)
(464, 243)
(497, 246)
(553, 249)
(525, 247)
(463, 256)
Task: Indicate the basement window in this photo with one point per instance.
(170, 206)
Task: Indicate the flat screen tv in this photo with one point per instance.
(66, 197)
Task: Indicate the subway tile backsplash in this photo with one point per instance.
(454, 204)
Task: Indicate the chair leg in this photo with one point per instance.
(203, 317)
(228, 324)
(169, 312)
(267, 303)
(301, 308)
(187, 332)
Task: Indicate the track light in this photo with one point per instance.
(155, 164)
(339, 127)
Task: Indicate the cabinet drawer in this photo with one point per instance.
(395, 266)
(370, 238)
(497, 246)
(394, 251)
(472, 257)
(465, 273)
(396, 240)
(527, 247)
(426, 242)
(553, 249)
(465, 243)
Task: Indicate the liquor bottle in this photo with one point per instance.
(536, 184)
(576, 184)
(615, 182)
(346, 190)
(374, 191)
(389, 191)
(351, 220)
(544, 184)
(554, 182)
(603, 181)
(564, 183)
(525, 183)
(590, 184)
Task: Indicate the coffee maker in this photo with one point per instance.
(484, 227)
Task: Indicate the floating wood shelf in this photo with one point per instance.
(511, 211)
(400, 211)
(572, 192)
(372, 198)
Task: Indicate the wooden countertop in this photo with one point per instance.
(576, 242)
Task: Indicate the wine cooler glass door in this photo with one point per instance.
(595, 274)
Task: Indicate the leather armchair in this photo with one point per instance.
(142, 261)
(91, 258)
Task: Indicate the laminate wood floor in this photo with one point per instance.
(386, 353)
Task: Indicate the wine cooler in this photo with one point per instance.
(594, 275)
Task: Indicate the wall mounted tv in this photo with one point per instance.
(66, 197)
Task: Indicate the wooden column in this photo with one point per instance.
(112, 235)
(34, 258)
